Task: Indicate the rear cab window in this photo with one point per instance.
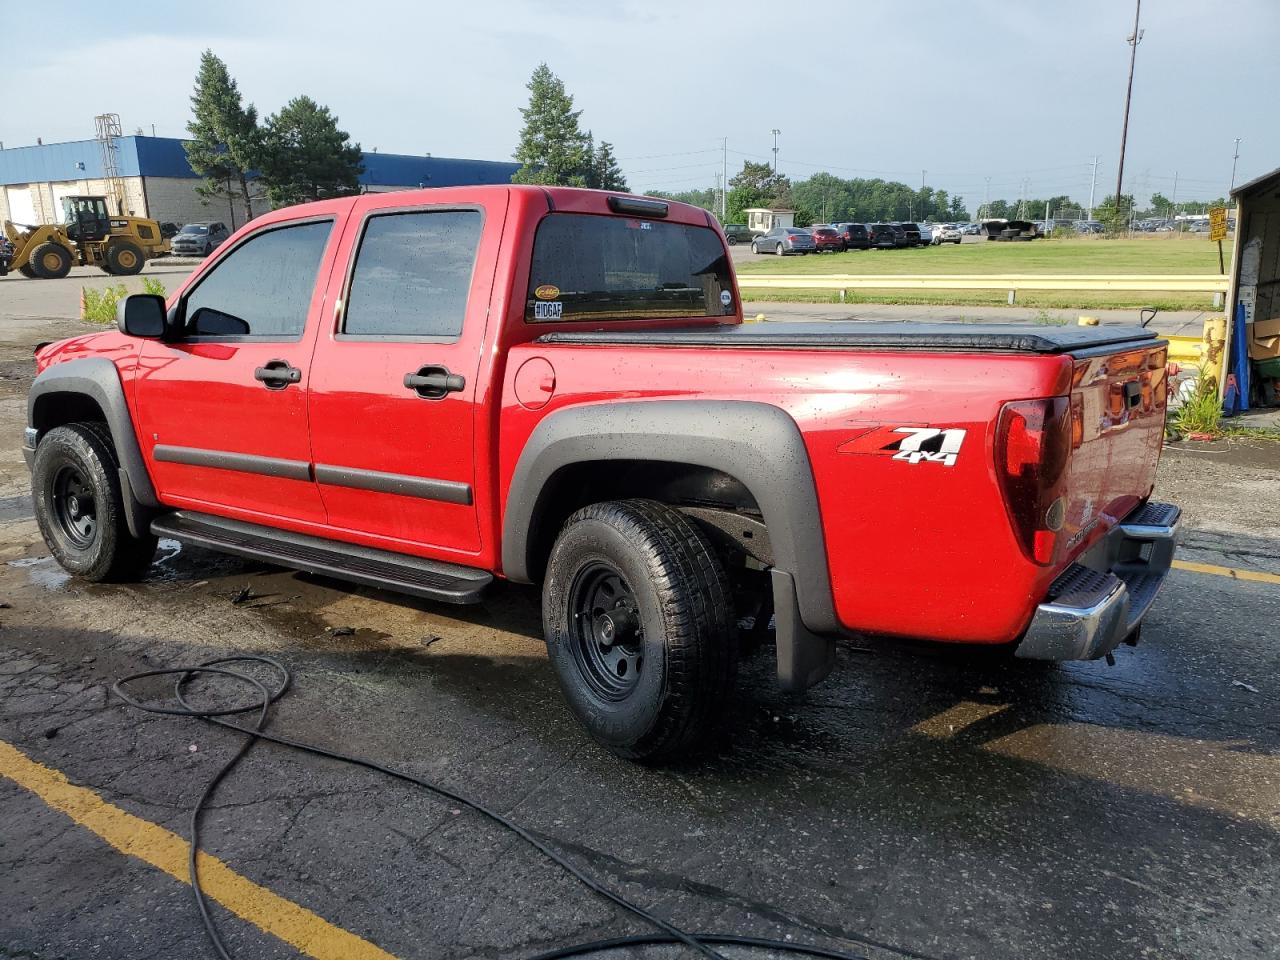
(588, 267)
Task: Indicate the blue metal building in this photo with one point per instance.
(158, 182)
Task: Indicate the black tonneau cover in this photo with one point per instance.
(874, 335)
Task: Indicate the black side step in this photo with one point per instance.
(332, 558)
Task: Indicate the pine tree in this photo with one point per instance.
(553, 149)
(306, 157)
(608, 175)
(224, 134)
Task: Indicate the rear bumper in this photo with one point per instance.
(1101, 599)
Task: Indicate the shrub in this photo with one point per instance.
(153, 286)
(1201, 412)
(100, 305)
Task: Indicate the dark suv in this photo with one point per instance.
(854, 235)
(883, 236)
(914, 237)
(735, 233)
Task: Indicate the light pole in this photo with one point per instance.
(1233, 168)
(1135, 38)
(1093, 183)
(775, 132)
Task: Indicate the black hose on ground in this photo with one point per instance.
(671, 934)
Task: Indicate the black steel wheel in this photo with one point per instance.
(73, 506)
(636, 611)
(80, 508)
(605, 631)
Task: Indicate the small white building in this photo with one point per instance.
(764, 219)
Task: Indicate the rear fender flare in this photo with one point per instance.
(97, 379)
(757, 443)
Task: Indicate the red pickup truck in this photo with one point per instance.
(427, 391)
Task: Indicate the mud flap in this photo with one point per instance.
(804, 658)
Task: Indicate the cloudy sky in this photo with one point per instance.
(1011, 90)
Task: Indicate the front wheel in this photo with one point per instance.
(79, 506)
(754, 248)
(636, 613)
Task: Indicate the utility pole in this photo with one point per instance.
(724, 181)
(1233, 167)
(1093, 183)
(986, 199)
(1173, 202)
(1134, 39)
(775, 132)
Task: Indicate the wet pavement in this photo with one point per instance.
(921, 802)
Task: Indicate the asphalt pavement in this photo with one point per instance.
(919, 803)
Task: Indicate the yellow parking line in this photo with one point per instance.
(295, 925)
(1255, 575)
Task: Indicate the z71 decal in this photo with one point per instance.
(910, 444)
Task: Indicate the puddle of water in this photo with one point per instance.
(167, 550)
(43, 572)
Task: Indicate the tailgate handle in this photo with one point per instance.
(1132, 393)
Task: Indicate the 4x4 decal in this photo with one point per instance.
(913, 444)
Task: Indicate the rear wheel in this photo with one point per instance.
(27, 272)
(637, 615)
(124, 258)
(732, 241)
(51, 261)
(79, 506)
(779, 251)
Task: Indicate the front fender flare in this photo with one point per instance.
(98, 379)
(757, 443)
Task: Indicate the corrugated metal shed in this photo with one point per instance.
(164, 157)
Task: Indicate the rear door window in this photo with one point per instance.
(588, 267)
(413, 274)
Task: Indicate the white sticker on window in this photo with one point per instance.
(726, 297)
(548, 311)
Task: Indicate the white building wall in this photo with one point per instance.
(174, 199)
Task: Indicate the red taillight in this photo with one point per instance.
(1033, 446)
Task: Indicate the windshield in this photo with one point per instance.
(588, 267)
(194, 228)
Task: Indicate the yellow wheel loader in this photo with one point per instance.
(88, 237)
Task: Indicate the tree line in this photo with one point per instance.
(297, 154)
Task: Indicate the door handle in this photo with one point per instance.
(277, 374)
(433, 383)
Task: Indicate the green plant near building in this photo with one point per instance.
(100, 305)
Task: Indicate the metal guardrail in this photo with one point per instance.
(1012, 282)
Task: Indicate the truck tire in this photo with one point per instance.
(636, 610)
(124, 259)
(50, 261)
(75, 483)
(27, 272)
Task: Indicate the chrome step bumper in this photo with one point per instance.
(1100, 600)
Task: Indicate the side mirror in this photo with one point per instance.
(141, 315)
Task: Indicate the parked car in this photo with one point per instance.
(854, 235)
(524, 330)
(783, 241)
(827, 239)
(946, 233)
(735, 233)
(1089, 226)
(168, 229)
(911, 235)
(199, 239)
(884, 236)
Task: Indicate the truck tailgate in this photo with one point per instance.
(1118, 402)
